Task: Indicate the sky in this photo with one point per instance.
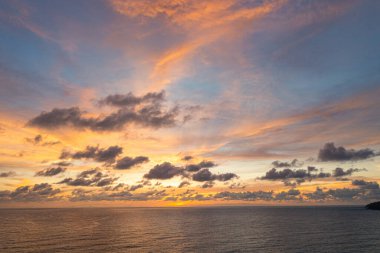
(187, 102)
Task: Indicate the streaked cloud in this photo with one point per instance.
(49, 172)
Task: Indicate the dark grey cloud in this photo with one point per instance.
(345, 194)
(339, 172)
(88, 153)
(165, 170)
(129, 162)
(49, 172)
(288, 182)
(226, 176)
(60, 117)
(38, 140)
(248, 195)
(323, 175)
(187, 158)
(130, 100)
(7, 174)
(208, 184)
(294, 177)
(365, 184)
(135, 187)
(92, 177)
(275, 174)
(147, 111)
(106, 155)
(311, 169)
(318, 194)
(293, 163)
(83, 195)
(63, 163)
(117, 187)
(38, 192)
(205, 175)
(201, 165)
(292, 194)
(331, 153)
(342, 194)
(197, 172)
(143, 196)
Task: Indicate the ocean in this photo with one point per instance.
(203, 229)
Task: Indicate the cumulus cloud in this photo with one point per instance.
(201, 165)
(129, 162)
(293, 163)
(145, 111)
(49, 172)
(275, 174)
(331, 153)
(365, 184)
(294, 177)
(106, 155)
(38, 192)
(197, 172)
(7, 174)
(205, 175)
(339, 172)
(92, 177)
(165, 170)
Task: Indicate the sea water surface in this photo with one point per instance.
(211, 229)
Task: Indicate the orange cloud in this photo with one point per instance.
(201, 23)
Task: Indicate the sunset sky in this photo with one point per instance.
(189, 102)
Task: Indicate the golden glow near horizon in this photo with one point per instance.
(188, 103)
